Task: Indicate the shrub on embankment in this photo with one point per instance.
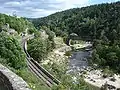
(11, 51)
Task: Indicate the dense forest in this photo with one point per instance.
(19, 24)
(89, 21)
(99, 23)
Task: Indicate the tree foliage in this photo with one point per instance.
(87, 22)
(98, 23)
(38, 48)
(11, 51)
(19, 24)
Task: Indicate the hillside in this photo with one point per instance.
(19, 24)
(12, 54)
(100, 23)
(89, 21)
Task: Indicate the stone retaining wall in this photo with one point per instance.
(11, 81)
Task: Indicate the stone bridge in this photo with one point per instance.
(10, 81)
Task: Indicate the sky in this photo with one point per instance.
(42, 8)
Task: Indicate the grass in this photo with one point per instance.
(33, 82)
(91, 87)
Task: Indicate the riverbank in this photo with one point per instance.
(82, 45)
(91, 76)
(95, 77)
(58, 62)
(57, 55)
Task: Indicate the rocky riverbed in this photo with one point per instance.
(95, 77)
(78, 61)
(78, 64)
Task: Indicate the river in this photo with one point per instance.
(78, 61)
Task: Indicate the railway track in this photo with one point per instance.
(39, 71)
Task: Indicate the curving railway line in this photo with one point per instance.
(38, 70)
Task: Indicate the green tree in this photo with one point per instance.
(37, 48)
(11, 51)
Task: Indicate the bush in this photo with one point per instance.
(105, 76)
(72, 42)
(113, 79)
(11, 51)
(107, 72)
(38, 48)
(68, 53)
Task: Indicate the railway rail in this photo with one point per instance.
(39, 71)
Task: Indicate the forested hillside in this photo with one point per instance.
(12, 54)
(100, 23)
(19, 24)
(89, 21)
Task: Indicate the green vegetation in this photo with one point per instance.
(107, 56)
(48, 32)
(69, 84)
(88, 21)
(19, 24)
(107, 72)
(98, 23)
(12, 56)
(68, 53)
(11, 52)
(38, 48)
(32, 80)
(91, 87)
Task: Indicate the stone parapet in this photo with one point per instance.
(11, 81)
